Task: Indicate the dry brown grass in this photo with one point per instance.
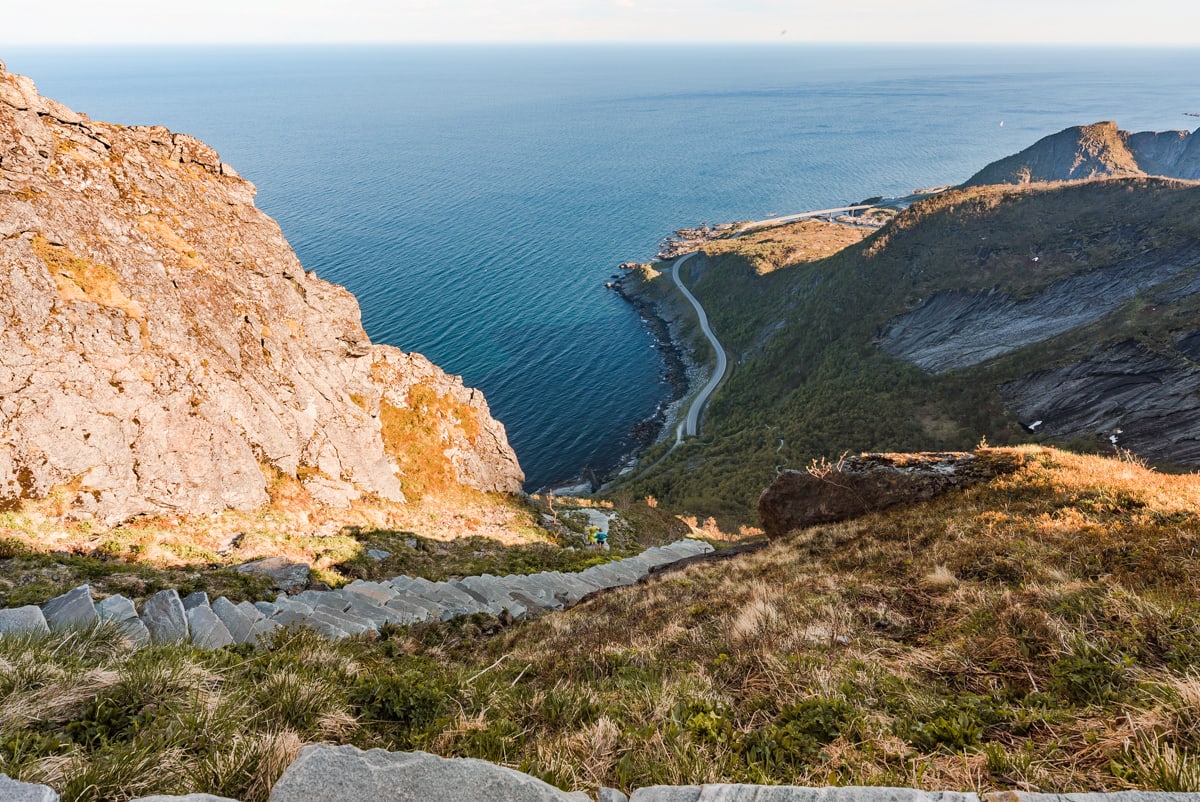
(789, 244)
(80, 279)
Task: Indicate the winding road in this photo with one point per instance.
(690, 425)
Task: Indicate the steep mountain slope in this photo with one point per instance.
(1065, 312)
(1034, 632)
(163, 350)
(1100, 150)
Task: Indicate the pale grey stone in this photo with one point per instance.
(352, 624)
(197, 599)
(16, 791)
(17, 620)
(135, 631)
(375, 591)
(116, 608)
(266, 608)
(611, 795)
(347, 774)
(375, 613)
(72, 609)
(186, 798)
(251, 612)
(378, 555)
(1116, 796)
(792, 793)
(165, 618)
(207, 630)
(667, 793)
(241, 628)
(326, 598)
(264, 628)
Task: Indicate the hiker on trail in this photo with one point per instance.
(602, 540)
(591, 535)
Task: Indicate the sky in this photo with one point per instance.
(76, 22)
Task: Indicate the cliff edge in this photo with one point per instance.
(163, 350)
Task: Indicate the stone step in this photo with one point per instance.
(360, 607)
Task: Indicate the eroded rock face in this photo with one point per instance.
(1142, 400)
(855, 486)
(163, 350)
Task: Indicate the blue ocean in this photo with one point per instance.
(476, 198)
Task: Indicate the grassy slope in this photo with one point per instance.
(1038, 632)
(808, 379)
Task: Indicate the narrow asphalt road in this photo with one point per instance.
(690, 425)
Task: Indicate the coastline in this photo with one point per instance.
(680, 370)
(682, 373)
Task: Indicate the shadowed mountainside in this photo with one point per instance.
(1063, 312)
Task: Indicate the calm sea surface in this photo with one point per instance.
(477, 198)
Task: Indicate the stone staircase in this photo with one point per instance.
(360, 607)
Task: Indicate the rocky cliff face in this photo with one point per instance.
(162, 349)
(1100, 150)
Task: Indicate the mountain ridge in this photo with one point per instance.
(1099, 150)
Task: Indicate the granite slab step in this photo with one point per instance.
(72, 609)
(23, 621)
(377, 592)
(240, 627)
(292, 617)
(207, 630)
(121, 612)
(164, 617)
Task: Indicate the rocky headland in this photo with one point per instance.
(1099, 150)
(162, 350)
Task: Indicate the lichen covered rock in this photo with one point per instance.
(163, 351)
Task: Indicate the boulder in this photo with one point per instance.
(611, 795)
(72, 609)
(20, 620)
(347, 774)
(14, 791)
(855, 486)
(287, 576)
(165, 618)
(121, 611)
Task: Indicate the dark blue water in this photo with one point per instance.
(475, 199)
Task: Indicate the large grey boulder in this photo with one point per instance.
(611, 795)
(347, 774)
(792, 793)
(19, 620)
(72, 609)
(164, 616)
(15, 791)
